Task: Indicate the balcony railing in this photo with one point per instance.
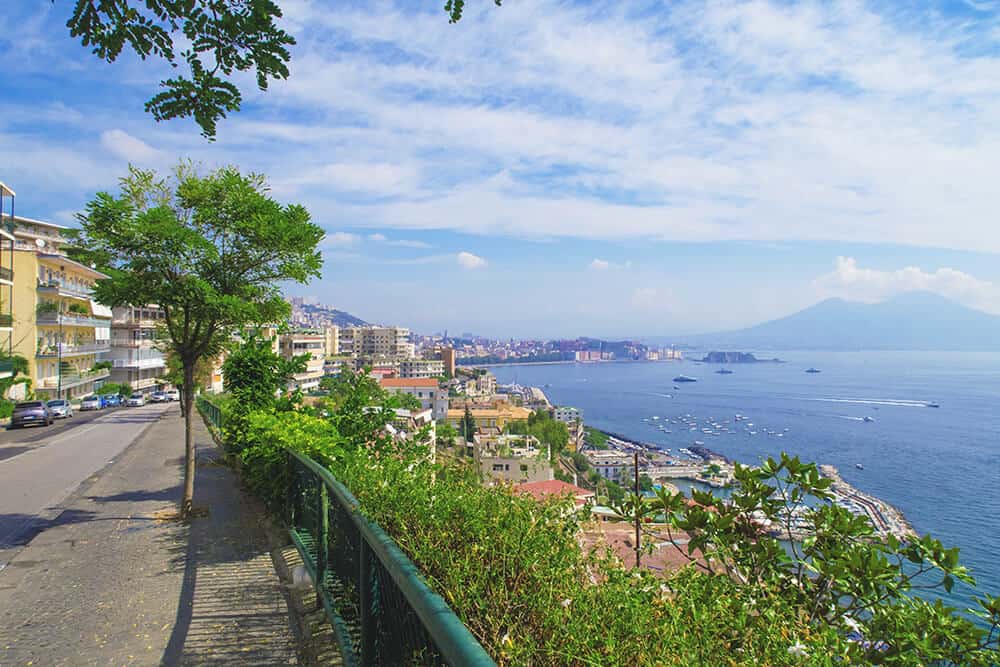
(70, 319)
(64, 287)
(71, 349)
(6, 320)
(72, 379)
(382, 610)
(6, 366)
(6, 274)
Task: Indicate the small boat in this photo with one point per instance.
(859, 466)
(685, 378)
(813, 370)
(932, 405)
(868, 418)
(724, 371)
(676, 387)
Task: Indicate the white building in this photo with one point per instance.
(420, 368)
(513, 458)
(612, 466)
(426, 390)
(135, 355)
(567, 415)
(295, 344)
(375, 342)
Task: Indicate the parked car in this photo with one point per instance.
(173, 394)
(60, 408)
(158, 397)
(112, 401)
(30, 412)
(136, 401)
(91, 403)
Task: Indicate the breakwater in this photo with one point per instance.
(886, 519)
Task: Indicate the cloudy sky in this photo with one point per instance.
(562, 168)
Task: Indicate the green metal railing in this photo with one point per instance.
(379, 605)
(6, 320)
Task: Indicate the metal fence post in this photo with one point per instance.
(322, 541)
(365, 600)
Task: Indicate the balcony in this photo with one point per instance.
(6, 274)
(6, 320)
(64, 288)
(72, 349)
(72, 380)
(70, 320)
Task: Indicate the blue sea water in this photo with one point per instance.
(940, 466)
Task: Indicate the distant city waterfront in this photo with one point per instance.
(940, 466)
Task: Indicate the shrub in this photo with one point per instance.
(6, 408)
(513, 571)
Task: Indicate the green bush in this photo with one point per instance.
(6, 408)
(514, 572)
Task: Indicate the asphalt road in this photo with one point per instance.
(40, 466)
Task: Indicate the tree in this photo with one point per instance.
(468, 425)
(175, 372)
(219, 40)
(210, 251)
(254, 376)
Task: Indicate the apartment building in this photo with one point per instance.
(375, 342)
(425, 390)
(420, 368)
(573, 418)
(313, 343)
(489, 419)
(612, 466)
(58, 326)
(513, 458)
(135, 355)
(6, 281)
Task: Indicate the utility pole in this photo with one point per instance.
(638, 505)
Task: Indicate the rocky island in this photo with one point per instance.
(736, 358)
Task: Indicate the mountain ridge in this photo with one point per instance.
(908, 321)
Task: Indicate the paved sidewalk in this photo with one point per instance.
(108, 583)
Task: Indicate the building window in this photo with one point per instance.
(497, 467)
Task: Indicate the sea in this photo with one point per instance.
(940, 466)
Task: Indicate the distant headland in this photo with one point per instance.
(736, 358)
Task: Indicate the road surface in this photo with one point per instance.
(40, 466)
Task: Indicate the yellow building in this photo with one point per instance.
(58, 327)
(490, 417)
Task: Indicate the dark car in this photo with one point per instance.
(30, 412)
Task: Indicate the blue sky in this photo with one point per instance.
(563, 168)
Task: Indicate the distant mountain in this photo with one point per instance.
(910, 321)
(336, 317)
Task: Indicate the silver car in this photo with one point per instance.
(60, 408)
(136, 401)
(90, 403)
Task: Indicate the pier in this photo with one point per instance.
(886, 519)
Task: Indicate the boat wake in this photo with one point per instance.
(853, 419)
(897, 402)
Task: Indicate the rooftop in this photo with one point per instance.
(411, 382)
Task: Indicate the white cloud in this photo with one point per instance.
(341, 240)
(766, 120)
(378, 238)
(603, 265)
(469, 261)
(855, 283)
(123, 145)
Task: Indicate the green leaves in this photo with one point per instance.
(223, 38)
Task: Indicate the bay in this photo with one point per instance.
(940, 466)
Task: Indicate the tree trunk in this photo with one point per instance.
(187, 501)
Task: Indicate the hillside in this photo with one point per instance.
(911, 321)
(338, 318)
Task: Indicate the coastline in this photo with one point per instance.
(885, 518)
